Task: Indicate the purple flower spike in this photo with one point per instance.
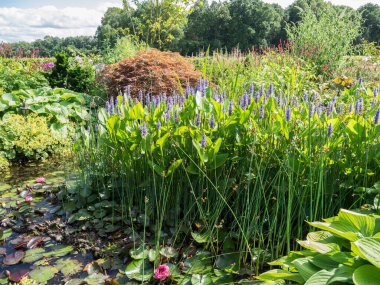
(377, 117)
(158, 125)
(143, 130)
(329, 130)
(359, 106)
(305, 97)
(198, 120)
(203, 141)
(230, 108)
(212, 122)
(288, 114)
(251, 89)
(261, 111)
(311, 110)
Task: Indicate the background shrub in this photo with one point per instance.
(151, 71)
(324, 38)
(29, 137)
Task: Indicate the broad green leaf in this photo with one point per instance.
(42, 274)
(320, 247)
(140, 270)
(319, 278)
(277, 274)
(198, 279)
(68, 266)
(369, 249)
(367, 275)
(305, 268)
(365, 224)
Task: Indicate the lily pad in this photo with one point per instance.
(59, 251)
(5, 234)
(17, 274)
(139, 253)
(198, 279)
(140, 270)
(168, 252)
(68, 266)
(3, 250)
(33, 255)
(13, 258)
(42, 274)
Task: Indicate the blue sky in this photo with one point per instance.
(28, 20)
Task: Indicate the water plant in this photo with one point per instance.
(251, 167)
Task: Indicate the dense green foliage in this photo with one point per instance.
(20, 74)
(29, 137)
(324, 39)
(232, 155)
(39, 122)
(75, 73)
(345, 250)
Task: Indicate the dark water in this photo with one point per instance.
(25, 227)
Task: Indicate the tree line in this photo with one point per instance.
(189, 26)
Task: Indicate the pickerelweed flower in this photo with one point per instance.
(230, 108)
(198, 120)
(359, 106)
(162, 272)
(251, 89)
(360, 82)
(311, 110)
(203, 141)
(375, 92)
(288, 113)
(305, 97)
(377, 117)
(261, 111)
(143, 130)
(212, 122)
(256, 97)
(329, 130)
(158, 125)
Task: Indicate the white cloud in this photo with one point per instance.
(17, 24)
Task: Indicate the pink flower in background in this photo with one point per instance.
(40, 180)
(28, 199)
(162, 272)
(47, 66)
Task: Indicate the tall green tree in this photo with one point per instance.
(371, 22)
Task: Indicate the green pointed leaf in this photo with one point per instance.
(279, 274)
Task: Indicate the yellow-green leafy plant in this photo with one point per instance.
(30, 137)
(345, 250)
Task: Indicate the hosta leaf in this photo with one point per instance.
(368, 249)
(279, 274)
(343, 274)
(319, 247)
(363, 223)
(139, 253)
(341, 229)
(366, 275)
(319, 278)
(305, 267)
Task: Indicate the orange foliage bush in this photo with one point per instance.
(151, 71)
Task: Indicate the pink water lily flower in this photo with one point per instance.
(162, 272)
(40, 180)
(28, 199)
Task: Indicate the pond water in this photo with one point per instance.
(31, 242)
